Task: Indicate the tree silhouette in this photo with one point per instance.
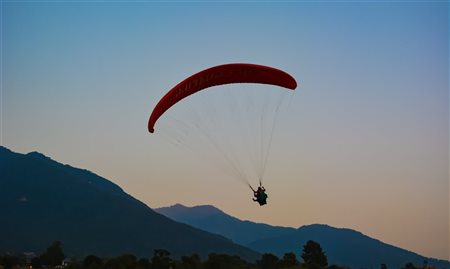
(191, 262)
(92, 262)
(269, 261)
(36, 262)
(143, 263)
(409, 265)
(334, 266)
(9, 261)
(313, 255)
(126, 261)
(289, 260)
(161, 259)
(224, 261)
(54, 255)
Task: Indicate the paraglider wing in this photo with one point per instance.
(220, 75)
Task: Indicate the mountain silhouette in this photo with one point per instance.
(211, 219)
(42, 201)
(342, 246)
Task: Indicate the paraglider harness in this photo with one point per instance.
(260, 195)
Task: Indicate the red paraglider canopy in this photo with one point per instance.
(220, 75)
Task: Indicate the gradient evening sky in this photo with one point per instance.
(364, 145)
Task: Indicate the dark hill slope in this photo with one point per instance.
(42, 200)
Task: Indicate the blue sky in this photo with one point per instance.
(362, 144)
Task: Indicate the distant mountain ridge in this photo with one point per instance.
(42, 200)
(342, 246)
(214, 220)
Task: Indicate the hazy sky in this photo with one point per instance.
(362, 143)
